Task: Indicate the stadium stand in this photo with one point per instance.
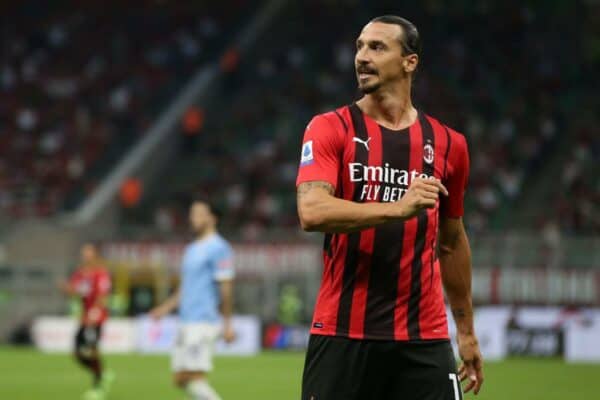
(73, 100)
(508, 98)
(78, 85)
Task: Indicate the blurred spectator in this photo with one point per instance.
(230, 60)
(193, 120)
(78, 84)
(510, 79)
(131, 192)
(164, 219)
(511, 112)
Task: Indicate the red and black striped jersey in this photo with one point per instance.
(384, 282)
(90, 284)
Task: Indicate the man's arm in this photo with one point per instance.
(455, 259)
(167, 306)
(319, 210)
(66, 287)
(226, 288)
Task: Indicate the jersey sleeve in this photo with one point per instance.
(452, 206)
(74, 279)
(223, 264)
(321, 149)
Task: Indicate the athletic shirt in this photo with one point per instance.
(205, 263)
(384, 282)
(90, 285)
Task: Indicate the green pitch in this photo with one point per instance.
(25, 374)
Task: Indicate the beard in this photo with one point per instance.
(199, 229)
(369, 88)
(371, 84)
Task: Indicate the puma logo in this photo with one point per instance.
(363, 142)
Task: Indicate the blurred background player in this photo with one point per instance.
(91, 283)
(206, 283)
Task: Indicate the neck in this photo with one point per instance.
(206, 232)
(390, 107)
(89, 265)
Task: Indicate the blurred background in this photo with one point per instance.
(113, 115)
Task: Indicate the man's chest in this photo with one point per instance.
(382, 168)
(85, 285)
(196, 264)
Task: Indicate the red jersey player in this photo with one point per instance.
(385, 182)
(91, 283)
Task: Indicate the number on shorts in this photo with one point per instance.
(455, 386)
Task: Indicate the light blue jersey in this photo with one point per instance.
(205, 263)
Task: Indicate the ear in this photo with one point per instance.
(410, 63)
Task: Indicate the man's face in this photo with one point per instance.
(379, 58)
(200, 216)
(88, 254)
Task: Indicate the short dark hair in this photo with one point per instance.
(410, 41)
(92, 244)
(213, 207)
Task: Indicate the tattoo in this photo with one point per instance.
(306, 187)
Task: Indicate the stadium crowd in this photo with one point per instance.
(78, 87)
(514, 100)
(577, 206)
(79, 84)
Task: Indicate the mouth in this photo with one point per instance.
(365, 72)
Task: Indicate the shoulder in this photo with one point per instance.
(220, 244)
(76, 274)
(334, 121)
(457, 140)
(189, 248)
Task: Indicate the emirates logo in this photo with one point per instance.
(428, 153)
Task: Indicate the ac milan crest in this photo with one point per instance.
(428, 153)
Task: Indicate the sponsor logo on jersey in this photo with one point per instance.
(83, 288)
(363, 142)
(383, 183)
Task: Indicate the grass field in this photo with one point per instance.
(25, 374)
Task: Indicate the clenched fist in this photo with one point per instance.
(422, 193)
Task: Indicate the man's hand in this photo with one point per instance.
(65, 287)
(166, 307)
(422, 193)
(228, 333)
(472, 367)
(93, 316)
(158, 312)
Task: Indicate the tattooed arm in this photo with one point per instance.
(319, 210)
(455, 260)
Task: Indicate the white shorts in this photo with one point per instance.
(194, 347)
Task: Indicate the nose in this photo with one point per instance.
(362, 56)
